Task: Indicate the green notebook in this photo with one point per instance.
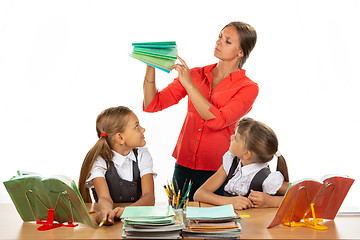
(169, 53)
(148, 212)
(167, 44)
(32, 196)
(160, 63)
(161, 55)
(211, 213)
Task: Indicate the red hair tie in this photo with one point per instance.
(103, 135)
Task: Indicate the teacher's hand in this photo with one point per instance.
(184, 73)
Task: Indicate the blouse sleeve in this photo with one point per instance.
(167, 97)
(98, 170)
(145, 162)
(235, 109)
(273, 183)
(227, 161)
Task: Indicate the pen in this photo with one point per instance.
(176, 185)
(183, 188)
(102, 223)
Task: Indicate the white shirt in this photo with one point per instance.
(123, 165)
(239, 184)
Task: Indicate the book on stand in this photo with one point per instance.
(54, 199)
(161, 55)
(308, 197)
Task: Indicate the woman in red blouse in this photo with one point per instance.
(218, 96)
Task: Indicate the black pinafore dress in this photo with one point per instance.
(256, 182)
(122, 190)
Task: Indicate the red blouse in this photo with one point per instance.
(201, 144)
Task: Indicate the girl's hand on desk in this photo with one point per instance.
(261, 199)
(106, 215)
(240, 202)
(118, 211)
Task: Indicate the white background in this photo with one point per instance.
(62, 62)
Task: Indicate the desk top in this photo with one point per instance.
(254, 227)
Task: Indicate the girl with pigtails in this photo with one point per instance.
(118, 168)
(245, 170)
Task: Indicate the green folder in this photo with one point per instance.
(33, 196)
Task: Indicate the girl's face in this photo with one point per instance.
(227, 46)
(237, 146)
(133, 135)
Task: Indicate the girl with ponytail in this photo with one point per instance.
(245, 173)
(118, 168)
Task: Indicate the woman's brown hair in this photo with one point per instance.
(110, 121)
(262, 141)
(248, 39)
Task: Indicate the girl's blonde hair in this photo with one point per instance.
(110, 121)
(262, 141)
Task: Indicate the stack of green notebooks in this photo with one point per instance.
(33, 196)
(212, 222)
(161, 55)
(151, 222)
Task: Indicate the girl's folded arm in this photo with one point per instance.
(147, 188)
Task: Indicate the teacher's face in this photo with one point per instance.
(227, 46)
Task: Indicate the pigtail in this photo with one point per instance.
(101, 148)
(282, 167)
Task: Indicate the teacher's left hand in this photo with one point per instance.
(183, 73)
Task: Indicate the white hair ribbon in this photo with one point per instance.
(278, 154)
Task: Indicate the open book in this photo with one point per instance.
(161, 55)
(326, 197)
(33, 196)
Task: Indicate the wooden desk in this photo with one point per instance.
(254, 227)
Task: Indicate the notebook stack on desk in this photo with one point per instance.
(151, 222)
(212, 222)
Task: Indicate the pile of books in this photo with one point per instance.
(212, 222)
(151, 222)
(161, 55)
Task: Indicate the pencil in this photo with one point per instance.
(173, 188)
(177, 200)
(167, 193)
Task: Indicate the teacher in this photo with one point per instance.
(218, 96)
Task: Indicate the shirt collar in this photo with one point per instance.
(119, 159)
(252, 168)
(208, 71)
